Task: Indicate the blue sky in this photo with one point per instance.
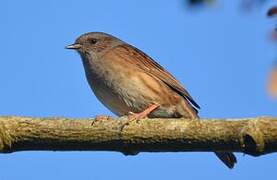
(221, 54)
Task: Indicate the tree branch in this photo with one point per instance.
(253, 136)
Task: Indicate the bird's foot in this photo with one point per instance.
(99, 118)
(138, 116)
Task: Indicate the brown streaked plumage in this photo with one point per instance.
(126, 80)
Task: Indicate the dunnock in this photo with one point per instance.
(127, 81)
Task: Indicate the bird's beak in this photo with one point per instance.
(74, 46)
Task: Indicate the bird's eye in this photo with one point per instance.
(93, 41)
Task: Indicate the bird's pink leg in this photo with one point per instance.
(137, 116)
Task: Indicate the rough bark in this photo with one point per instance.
(253, 136)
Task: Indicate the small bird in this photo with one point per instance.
(129, 82)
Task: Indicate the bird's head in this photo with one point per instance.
(94, 43)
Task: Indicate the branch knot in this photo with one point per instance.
(251, 138)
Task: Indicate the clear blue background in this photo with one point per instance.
(221, 54)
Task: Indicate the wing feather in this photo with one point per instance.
(146, 63)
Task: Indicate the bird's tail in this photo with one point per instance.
(228, 158)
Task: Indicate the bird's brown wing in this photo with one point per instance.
(146, 63)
